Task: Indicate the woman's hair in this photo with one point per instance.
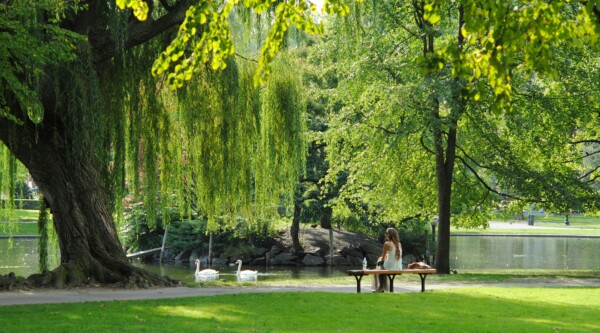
(393, 236)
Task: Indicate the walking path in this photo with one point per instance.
(45, 296)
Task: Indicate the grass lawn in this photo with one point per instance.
(26, 215)
(480, 309)
(577, 221)
(26, 223)
(19, 229)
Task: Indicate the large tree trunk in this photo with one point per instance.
(90, 250)
(444, 171)
(445, 157)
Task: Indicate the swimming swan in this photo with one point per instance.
(246, 273)
(204, 272)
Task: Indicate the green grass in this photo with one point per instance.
(481, 309)
(573, 219)
(511, 275)
(19, 229)
(26, 223)
(25, 215)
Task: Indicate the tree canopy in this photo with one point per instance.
(421, 85)
(419, 97)
(83, 113)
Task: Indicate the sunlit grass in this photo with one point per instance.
(24, 222)
(512, 275)
(481, 309)
(19, 229)
(25, 215)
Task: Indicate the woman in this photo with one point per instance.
(391, 256)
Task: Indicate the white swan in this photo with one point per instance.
(246, 273)
(205, 272)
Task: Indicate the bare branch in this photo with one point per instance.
(245, 58)
(166, 5)
(139, 32)
(585, 141)
(589, 173)
(489, 188)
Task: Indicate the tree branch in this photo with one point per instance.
(482, 182)
(589, 173)
(245, 58)
(139, 32)
(166, 5)
(425, 146)
(585, 141)
(595, 10)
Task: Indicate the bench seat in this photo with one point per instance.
(391, 274)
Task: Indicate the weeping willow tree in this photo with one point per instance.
(81, 110)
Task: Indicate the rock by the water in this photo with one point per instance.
(313, 260)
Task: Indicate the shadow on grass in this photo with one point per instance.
(455, 310)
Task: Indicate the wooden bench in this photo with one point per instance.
(359, 273)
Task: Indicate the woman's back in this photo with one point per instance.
(391, 263)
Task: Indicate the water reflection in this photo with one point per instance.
(206, 278)
(475, 252)
(246, 278)
(492, 252)
(186, 272)
(22, 258)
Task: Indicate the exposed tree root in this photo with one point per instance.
(65, 277)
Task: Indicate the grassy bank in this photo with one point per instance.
(19, 229)
(487, 309)
(464, 277)
(26, 223)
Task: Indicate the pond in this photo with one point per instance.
(515, 252)
(472, 252)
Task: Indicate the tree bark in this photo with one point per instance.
(90, 250)
(295, 228)
(444, 172)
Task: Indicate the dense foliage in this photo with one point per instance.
(436, 108)
(436, 111)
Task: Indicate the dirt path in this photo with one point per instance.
(45, 296)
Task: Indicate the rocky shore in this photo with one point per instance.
(349, 250)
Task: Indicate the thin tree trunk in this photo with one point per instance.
(330, 246)
(295, 228)
(326, 224)
(210, 246)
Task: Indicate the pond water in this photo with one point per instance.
(512, 252)
(22, 257)
(473, 252)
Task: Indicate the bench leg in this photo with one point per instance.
(358, 278)
(391, 280)
(423, 276)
